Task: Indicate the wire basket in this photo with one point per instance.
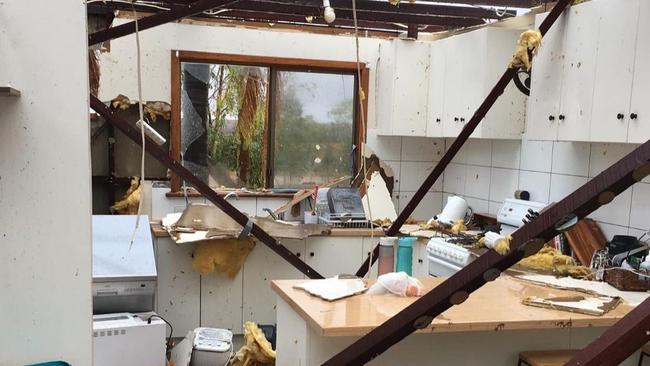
(344, 220)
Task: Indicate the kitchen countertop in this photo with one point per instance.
(494, 307)
(159, 232)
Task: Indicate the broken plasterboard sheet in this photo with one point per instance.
(590, 305)
(593, 287)
(331, 289)
(377, 203)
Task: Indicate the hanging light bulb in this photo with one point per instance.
(328, 13)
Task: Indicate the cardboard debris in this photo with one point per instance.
(377, 203)
(201, 222)
(590, 305)
(331, 289)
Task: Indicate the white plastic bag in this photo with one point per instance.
(397, 283)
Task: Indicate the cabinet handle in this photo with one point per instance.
(620, 116)
(551, 118)
(298, 254)
(420, 261)
(438, 120)
(455, 119)
(561, 117)
(462, 119)
(633, 116)
(311, 254)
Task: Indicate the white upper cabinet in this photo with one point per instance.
(639, 112)
(405, 68)
(601, 91)
(433, 88)
(579, 69)
(474, 63)
(546, 83)
(435, 112)
(614, 69)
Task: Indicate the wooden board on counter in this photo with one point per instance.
(496, 306)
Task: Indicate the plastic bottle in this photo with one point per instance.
(386, 254)
(405, 254)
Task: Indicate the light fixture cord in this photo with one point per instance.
(362, 112)
(141, 113)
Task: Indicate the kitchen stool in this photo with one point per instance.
(545, 358)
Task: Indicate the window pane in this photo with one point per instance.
(223, 121)
(313, 120)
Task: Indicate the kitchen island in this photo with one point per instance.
(490, 328)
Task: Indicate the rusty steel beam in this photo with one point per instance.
(464, 134)
(362, 16)
(151, 21)
(527, 240)
(164, 158)
(619, 341)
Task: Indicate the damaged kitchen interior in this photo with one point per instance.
(335, 182)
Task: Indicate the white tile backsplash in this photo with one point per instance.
(640, 210)
(536, 183)
(397, 168)
(429, 207)
(386, 147)
(503, 184)
(478, 152)
(562, 185)
(413, 175)
(604, 155)
(571, 158)
(616, 212)
(454, 178)
(536, 155)
(422, 149)
(477, 182)
(506, 154)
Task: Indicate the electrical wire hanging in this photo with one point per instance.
(361, 98)
(142, 122)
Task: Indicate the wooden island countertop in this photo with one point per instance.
(496, 306)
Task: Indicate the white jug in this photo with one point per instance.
(455, 209)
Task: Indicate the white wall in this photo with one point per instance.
(119, 65)
(45, 252)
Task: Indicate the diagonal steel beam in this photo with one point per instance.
(163, 157)
(156, 20)
(527, 240)
(619, 341)
(480, 113)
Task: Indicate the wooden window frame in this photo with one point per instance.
(285, 64)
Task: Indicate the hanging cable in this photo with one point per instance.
(362, 112)
(142, 123)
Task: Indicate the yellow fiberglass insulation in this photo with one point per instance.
(257, 351)
(529, 42)
(549, 259)
(458, 227)
(129, 203)
(225, 255)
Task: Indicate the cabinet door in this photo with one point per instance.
(639, 127)
(410, 93)
(436, 89)
(331, 256)
(614, 69)
(261, 267)
(385, 82)
(420, 262)
(472, 77)
(454, 62)
(546, 83)
(579, 71)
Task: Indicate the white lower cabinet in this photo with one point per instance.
(261, 267)
(420, 262)
(331, 256)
